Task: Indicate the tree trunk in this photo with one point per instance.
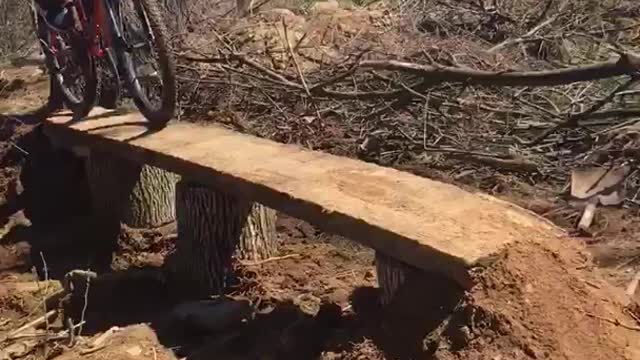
(126, 193)
(54, 186)
(258, 240)
(139, 196)
(391, 275)
(213, 228)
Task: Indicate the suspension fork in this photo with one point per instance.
(110, 20)
(107, 25)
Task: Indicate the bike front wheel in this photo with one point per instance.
(148, 60)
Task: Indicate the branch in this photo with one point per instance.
(626, 64)
(616, 113)
(525, 36)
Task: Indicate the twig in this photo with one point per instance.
(85, 305)
(59, 336)
(457, 151)
(261, 262)
(92, 350)
(25, 152)
(543, 13)
(98, 343)
(34, 323)
(525, 36)
(507, 164)
(274, 75)
(573, 119)
(338, 77)
(44, 304)
(298, 70)
(615, 322)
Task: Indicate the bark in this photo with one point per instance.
(391, 275)
(139, 196)
(258, 240)
(214, 228)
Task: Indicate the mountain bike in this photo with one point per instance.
(130, 37)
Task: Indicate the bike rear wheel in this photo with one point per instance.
(71, 68)
(148, 60)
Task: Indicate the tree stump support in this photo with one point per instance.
(213, 229)
(392, 274)
(125, 193)
(139, 196)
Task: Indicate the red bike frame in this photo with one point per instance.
(99, 34)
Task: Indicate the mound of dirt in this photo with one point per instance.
(135, 342)
(535, 302)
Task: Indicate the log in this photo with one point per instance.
(138, 196)
(213, 229)
(391, 275)
(258, 241)
(55, 189)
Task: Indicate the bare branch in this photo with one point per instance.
(626, 64)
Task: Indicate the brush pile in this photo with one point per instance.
(529, 88)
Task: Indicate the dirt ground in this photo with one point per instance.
(319, 298)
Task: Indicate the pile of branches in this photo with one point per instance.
(396, 95)
(16, 27)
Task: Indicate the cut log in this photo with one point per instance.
(258, 240)
(152, 201)
(138, 196)
(213, 228)
(391, 275)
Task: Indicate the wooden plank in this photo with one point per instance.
(428, 224)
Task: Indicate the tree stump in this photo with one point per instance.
(214, 228)
(139, 196)
(55, 188)
(126, 193)
(391, 275)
